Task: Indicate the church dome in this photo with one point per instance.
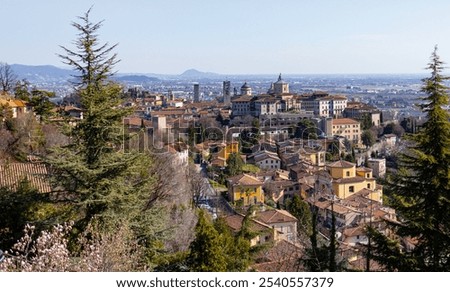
(245, 86)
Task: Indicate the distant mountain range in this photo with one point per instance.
(41, 73)
(136, 78)
(49, 73)
(193, 73)
(53, 74)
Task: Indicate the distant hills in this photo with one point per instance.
(193, 73)
(49, 73)
(136, 79)
(41, 73)
(53, 74)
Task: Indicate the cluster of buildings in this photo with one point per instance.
(278, 99)
(288, 166)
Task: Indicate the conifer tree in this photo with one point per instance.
(93, 171)
(236, 248)
(206, 251)
(234, 164)
(421, 189)
(300, 210)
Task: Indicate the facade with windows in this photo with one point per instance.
(347, 128)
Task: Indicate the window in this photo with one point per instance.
(347, 173)
(351, 189)
(368, 186)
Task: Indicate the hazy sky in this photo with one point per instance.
(231, 36)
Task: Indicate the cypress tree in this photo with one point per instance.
(421, 189)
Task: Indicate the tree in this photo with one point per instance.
(393, 128)
(306, 129)
(234, 164)
(92, 170)
(236, 247)
(366, 122)
(94, 62)
(197, 183)
(421, 189)
(249, 137)
(300, 210)
(7, 77)
(21, 90)
(41, 104)
(368, 138)
(24, 136)
(205, 252)
(16, 210)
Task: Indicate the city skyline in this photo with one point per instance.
(237, 37)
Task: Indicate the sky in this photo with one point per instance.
(237, 36)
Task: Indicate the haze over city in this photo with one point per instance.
(238, 37)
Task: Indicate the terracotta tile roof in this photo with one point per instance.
(245, 179)
(341, 164)
(264, 156)
(340, 209)
(344, 121)
(275, 216)
(13, 173)
(7, 102)
(282, 257)
(235, 223)
(19, 103)
(171, 112)
(354, 231)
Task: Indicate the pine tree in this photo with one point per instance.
(421, 189)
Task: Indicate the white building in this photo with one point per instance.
(266, 160)
(378, 166)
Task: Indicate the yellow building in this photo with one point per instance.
(220, 159)
(348, 180)
(231, 147)
(347, 128)
(313, 157)
(245, 188)
(15, 106)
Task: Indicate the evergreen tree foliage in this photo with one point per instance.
(21, 90)
(234, 164)
(25, 205)
(41, 104)
(206, 251)
(368, 138)
(235, 247)
(93, 171)
(421, 189)
(366, 121)
(306, 129)
(300, 210)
